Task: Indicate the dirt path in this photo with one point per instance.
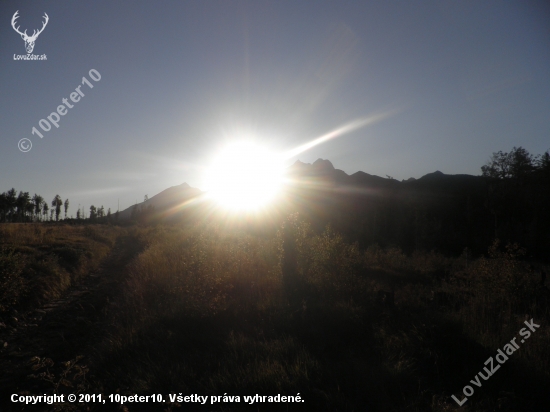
(62, 331)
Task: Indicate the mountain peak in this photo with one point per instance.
(323, 164)
(434, 175)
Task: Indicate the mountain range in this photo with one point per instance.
(321, 171)
(437, 211)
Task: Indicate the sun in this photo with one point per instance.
(244, 176)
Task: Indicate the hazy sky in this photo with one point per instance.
(457, 80)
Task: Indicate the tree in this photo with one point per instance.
(78, 214)
(543, 163)
(66, 205)
(57, 203)
(93, 212)
(516, 164)
(29, 209)
(21, 202)
(3, 206)
(45, 210)
(11, 200)
(37, 201)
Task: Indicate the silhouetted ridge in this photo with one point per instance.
(323, 164)
(435, 175)
(362, 178)
(165, 200)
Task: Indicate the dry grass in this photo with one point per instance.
(206, 310)
(40, 262)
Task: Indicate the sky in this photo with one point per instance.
(412, 86)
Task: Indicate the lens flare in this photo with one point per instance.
(244, 176)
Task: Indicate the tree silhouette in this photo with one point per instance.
(57, 203)
(21, 202)
(543, 163)
(11, 202)
(93, 212)
(3, 207)
(45, 210)
(66, 205)
(515, 164)
(37, 201)
(29, 209)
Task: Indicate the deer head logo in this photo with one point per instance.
(29, 40)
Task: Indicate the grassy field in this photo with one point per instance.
(211, 311)
(38, 263)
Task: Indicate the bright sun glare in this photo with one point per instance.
(244, 176)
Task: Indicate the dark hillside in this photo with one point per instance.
(446, 213)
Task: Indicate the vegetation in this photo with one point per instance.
(209, 308)
(40, 263)
(21, 208)
(516, 164)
